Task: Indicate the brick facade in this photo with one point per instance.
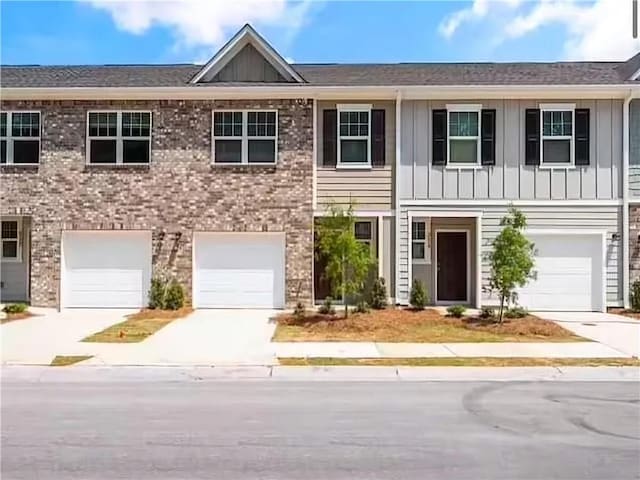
(179, 192)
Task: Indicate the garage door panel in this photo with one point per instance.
(569, 273)
(106, 269)
(238, 270)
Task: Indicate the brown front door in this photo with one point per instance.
(452, 266)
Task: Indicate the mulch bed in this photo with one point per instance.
(16, 316)
(405, 325)
(626, 313)
(148, 313)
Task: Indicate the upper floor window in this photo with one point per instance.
(354, 135)
(20, 138)
(557, 135)
(463, 134)
(10, 240)
(245, 137)
(118, 137)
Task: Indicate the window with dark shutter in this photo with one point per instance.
(439, 137)
(582, 136)
(532, 136)
(329, 137)
(488, 127)
(378, 137)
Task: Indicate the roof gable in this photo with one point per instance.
(235, 55)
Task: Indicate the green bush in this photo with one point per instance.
(634, 296)
(300, 311)
(378, 295)
(362, 307)
(174, 298)
(327, 307)
(157, 292)
(456, 311)
(487, 313)
(15, 308)
(418, 296)
(516, 312)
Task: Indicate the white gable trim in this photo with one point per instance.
(245, 36)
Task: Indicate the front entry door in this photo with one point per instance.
(451, 267)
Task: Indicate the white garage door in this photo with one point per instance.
(236, 270)
(106, 269)
(569, 273)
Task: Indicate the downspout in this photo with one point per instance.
(625, 198)
(397, 194)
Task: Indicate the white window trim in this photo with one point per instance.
(18, 240)
(558, 107)
(462, 107)
(244, 139)
(119, 138)
(425, 260)
(372, 225)
(355, 107)
(10, 138)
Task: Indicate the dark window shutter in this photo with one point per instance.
(488, 137)
(439, 137)
(329, 137)
(582, 136)
(377, 138)
(532, 136)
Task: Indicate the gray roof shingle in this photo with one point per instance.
(445, 74)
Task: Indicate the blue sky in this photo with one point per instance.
(108, 32)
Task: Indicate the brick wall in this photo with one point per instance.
(179, 192)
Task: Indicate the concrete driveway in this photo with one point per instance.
(38, 339)
(616, 331)
(206, 337)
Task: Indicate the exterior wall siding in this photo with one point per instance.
(14, 276)
(178, 193)
(634, 243)
(371, 189)
(634, 149)
(248, 66)
(541, 217)
(510, 178)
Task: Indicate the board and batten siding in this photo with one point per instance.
(543, 217)
(248, 66)
(371, 189)
(510, 178)
(634, 149)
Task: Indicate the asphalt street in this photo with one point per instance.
(320, 430)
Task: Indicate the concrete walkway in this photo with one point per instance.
(411, 350)
(205, 337)
(616, 331)
(38, 339)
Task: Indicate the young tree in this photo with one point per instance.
(348, 260)
(511, 258)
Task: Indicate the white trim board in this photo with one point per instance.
(360, 213)
(515, 203)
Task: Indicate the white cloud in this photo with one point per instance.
(476, 12)
(595, 30)
(203, 23)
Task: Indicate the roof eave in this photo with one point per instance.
(319, 91)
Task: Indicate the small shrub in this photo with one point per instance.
(378, 298)
(516, 312)
(15, 308)
(362, 307)
(327, 307)
(487, 313)
(157, 292)
(300, 312)
(418, 295)
(634, 296)
(456, 311)
(174, 298)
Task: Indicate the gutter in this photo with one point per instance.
(626, 145)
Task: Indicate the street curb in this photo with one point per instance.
(106, 374)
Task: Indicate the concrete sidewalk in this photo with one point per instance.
(96, 374)
(424, 350)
